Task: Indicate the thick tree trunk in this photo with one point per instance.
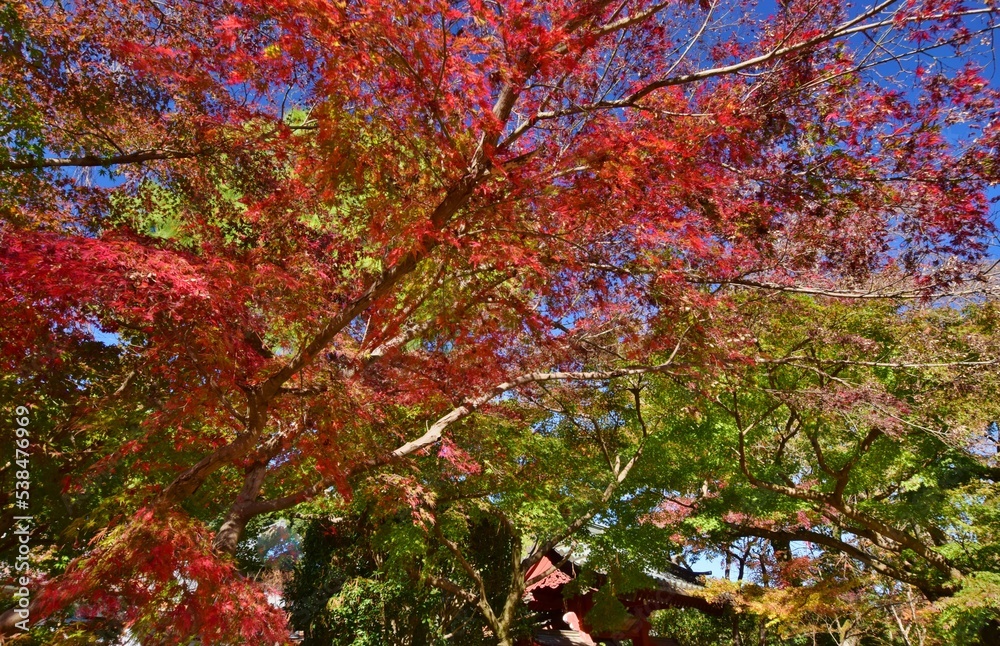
(503, 630)
(228, 537)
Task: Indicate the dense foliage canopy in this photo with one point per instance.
(715, 275)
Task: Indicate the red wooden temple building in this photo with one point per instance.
(563, 617)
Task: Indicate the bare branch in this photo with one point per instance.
(95, 160)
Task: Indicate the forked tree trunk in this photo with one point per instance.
(228, 537)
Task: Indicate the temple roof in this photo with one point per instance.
(677, 579)
(561, 638)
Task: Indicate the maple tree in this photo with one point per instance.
(851, 474)
(324, 236)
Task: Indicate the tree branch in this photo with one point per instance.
(95, 160)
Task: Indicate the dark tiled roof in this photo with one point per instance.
(561, 638)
